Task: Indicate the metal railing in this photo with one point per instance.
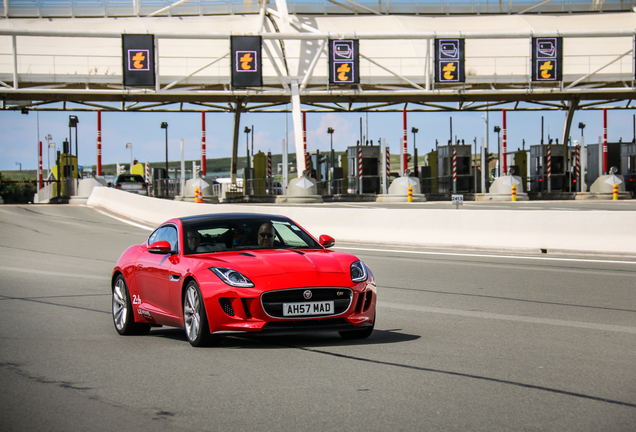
(123, 8)
(166, 188)
(347, 186)
(263, 187)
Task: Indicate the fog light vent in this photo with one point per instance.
(226, 304)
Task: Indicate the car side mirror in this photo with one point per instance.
(326, 241)
(160, 247)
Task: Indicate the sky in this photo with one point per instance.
(19, 132)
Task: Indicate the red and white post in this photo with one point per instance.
(549, 168)
(40, 179)
(605, 170)
(360, 169)
(269, 165)
(388, 167)
(504, 146)
(147, 173)
(404, 145)
(305, 140)
(577, 164)
(203, 155)
(454, 170)
(99, 143)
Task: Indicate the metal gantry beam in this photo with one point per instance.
(194, 90)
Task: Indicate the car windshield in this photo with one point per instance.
(243, 235)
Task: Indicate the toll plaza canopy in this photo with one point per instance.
(326, 55)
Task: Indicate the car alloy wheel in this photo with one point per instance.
(194, 318)
(123, 317)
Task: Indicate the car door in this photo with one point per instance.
(153, 273)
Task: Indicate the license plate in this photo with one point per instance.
(308, 308)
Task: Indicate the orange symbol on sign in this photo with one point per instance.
(448, 71)
(245, 61)
(545, 69)
(342, 72)
(138, 59)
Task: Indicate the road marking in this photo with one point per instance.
(543, 258)
(524, 319)
(50, 273)
(124, 220)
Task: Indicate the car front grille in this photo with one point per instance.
(273, 301)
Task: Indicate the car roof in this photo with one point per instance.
(188, 220)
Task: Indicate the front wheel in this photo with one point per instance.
(195, 319)
(123, 315)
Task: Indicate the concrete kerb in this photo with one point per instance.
(590, 232)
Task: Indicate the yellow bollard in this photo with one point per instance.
(410, 198)
(514, 192)
(615, 192)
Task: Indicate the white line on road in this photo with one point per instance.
(50, 273)
(524, 319)
(580, 260)
(135, 224)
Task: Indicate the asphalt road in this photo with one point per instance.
(463, 342)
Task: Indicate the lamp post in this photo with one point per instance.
(48, 156)
(497, 130)
(415, 130)
(330, 131)
(129, 145)
(72, 123)
(48, 139)
(164, 125)
(247, 146)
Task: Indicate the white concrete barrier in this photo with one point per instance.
(587, 232)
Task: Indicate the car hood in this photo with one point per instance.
(319, 266)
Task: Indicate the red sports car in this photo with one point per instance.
(241, 273)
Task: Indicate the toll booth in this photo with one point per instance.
(628, 166)
(465, 179)
(159, 183)
(539, 168)
(428, 174)
(595, 160)
(65, 170)
(257, 185)
(520, 165)
(371, 168)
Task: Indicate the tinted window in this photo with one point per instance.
(229, 235)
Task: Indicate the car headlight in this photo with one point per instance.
(232, 277)
(358, 272)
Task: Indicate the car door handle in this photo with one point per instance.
(174, 277)
(140, 266)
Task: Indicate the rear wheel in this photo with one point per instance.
(195, 319)
(123, 315)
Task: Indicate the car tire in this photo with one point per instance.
(195, 320)
(123, 315)
(357, 334)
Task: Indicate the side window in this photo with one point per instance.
(154, 237)
(166, 233)
(171, 237)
